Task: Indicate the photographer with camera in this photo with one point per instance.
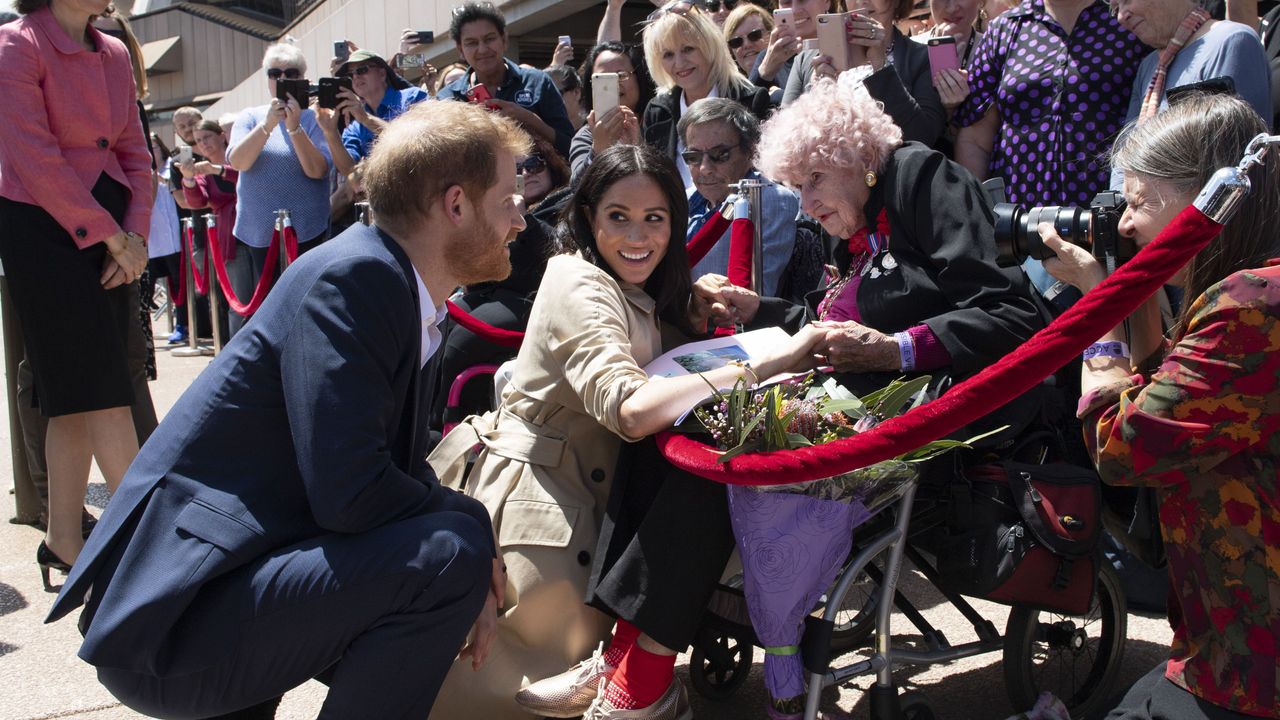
(371, 96)
(1201, 428)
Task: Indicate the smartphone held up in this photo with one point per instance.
(604, 93)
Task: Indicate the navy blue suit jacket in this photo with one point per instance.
(311, 422)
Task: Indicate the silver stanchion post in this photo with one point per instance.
(193, 347)
(215, 304)
(284, 256)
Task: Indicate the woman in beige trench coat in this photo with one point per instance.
(546, 456)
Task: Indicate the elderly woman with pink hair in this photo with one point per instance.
(916, 290)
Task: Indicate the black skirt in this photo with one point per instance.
(75, 331)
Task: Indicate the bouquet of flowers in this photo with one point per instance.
(794, 538)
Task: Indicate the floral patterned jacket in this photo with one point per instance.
(1205, 431)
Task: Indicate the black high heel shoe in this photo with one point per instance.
(47, 560)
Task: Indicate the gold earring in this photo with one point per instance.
(870, 178)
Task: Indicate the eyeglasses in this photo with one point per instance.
(277, 73)
(357, 70)
(624, 76)
(716, 155)
(675, 7)
(531, 165)
(738, 41)
(713, 6)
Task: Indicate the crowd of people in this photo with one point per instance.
(332, 499)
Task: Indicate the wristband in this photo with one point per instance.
(906, 350)
(746, 365)
(1113, 349)
(266, 129)
(294, 131)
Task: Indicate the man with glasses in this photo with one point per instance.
(525, 95)
(378, 95)
(720, 139)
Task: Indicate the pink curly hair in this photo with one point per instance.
(828, 126)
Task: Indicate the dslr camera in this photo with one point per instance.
(1094, 228)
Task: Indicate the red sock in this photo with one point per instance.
(641, 679)
(624, 636)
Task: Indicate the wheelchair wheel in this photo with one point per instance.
(856, 620)
(1075, 658)
(719, 665)
(915, 706)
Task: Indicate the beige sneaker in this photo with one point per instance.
(673, 705)
(570, 693)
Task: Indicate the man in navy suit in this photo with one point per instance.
(282, 523)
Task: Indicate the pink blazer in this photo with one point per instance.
(66, 116)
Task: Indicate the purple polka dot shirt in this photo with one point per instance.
(1061, 100)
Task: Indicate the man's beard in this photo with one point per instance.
(479, 256)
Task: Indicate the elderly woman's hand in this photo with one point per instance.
(292, 115)
(1073, 265)
(853, 347)
(723, 302)
(784, 44)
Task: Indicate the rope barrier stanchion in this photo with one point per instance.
(193, 348)
(215, 305)
(746, 242)
(277, 238)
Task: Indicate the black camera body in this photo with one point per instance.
(1095, 228)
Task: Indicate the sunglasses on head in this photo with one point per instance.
(675, 7)
(716, 155)
(277, 73)
(738, 41)
(531, 165)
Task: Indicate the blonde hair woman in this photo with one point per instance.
(689, 61)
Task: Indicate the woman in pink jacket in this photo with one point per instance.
(75, 200)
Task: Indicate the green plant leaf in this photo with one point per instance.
(891, 404)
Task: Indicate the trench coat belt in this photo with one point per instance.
(502, 434)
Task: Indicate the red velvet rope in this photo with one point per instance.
(495, 335)
(201, 282)
(1090, 318)
(741, 240)
(706, 238)
(290, 243)
(264, 282)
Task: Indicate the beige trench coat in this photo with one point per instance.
(544, 470)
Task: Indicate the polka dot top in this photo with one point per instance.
(1061, 98)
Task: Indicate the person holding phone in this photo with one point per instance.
(612, 122)
(76, 194)
(795, 21)
(957, 20)
(377, 95)
(526, 95)
(896, 70)
(283, 160)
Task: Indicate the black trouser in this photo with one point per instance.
(664, 544)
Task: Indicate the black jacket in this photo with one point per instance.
(663, 113)
(942, 270)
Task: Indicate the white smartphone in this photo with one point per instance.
(833, 40)
(565, 40)
(604, 93)
(184, 154)
(784, 16)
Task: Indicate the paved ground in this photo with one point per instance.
(40, 677)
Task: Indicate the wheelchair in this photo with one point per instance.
(1077, 658)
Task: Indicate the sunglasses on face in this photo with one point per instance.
(716, 155)
(531, 165)
(357, 70)
(277, 73)
(713, 6)
(738, 41)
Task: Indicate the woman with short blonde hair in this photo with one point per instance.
(689, 60)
